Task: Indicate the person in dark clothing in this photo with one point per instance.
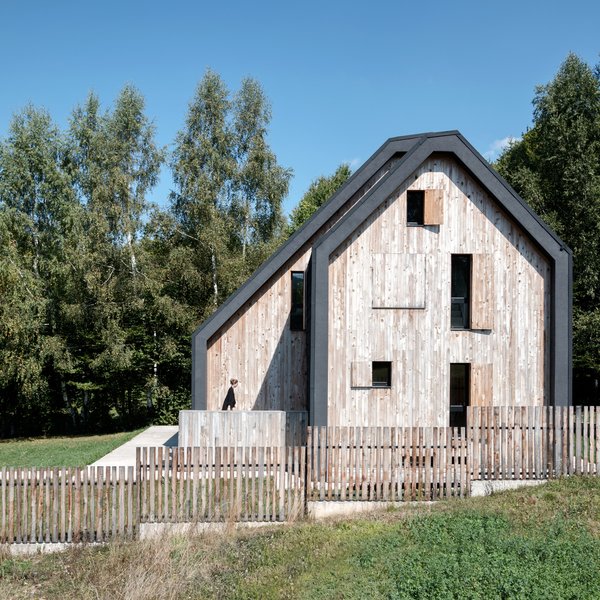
(229, 403)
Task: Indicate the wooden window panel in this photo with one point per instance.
(361, 373)
(399, 280)
(482, 292)
(434, 207)
(482, 384)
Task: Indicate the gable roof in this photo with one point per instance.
(414, 150)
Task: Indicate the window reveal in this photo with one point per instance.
(297, 310)
(459, 393)
(415, 207)
(381, 374)
(460, 317)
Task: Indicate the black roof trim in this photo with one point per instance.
(298, 239)
(419, 147)
(391, 147)
(539, 232)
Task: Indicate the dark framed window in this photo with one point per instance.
(381, 374)
(460, 375)
(297, 311)
(460, 317)
(415, 207)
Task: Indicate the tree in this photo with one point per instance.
(39, 217)
(203, 165)
(320, 190)
(228, 188)
(116, 162)
(259, 183)
(556, 168)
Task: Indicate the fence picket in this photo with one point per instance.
(271, 483)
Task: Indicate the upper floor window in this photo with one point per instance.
(460, 317)
(297, 311)
(415, 207)
(425, 207)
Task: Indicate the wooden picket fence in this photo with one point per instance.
(221, 484)
(91, 504)
(386, 463)
(274, 483)
(533, 442)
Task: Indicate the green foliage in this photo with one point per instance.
(556, 168)
(320, 190)
(229, 189)
(100, 291)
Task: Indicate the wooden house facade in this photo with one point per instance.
(424, 285)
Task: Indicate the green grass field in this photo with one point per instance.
(535, 543)
(60, 452)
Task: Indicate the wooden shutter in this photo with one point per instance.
(361, 374)
(483, 305)
(481, 384)
(399, 280)
(433, 213)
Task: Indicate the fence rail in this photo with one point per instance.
(273, 483)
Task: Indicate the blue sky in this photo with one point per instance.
(342, 77)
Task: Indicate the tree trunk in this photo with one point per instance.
(85, 407)
(65, 396)
(213, 262)
(131, 254)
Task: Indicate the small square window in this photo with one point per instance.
(415, 207)
(382, 374)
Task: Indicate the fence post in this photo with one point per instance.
(138, 492)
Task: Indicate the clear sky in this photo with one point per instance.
(342, 77)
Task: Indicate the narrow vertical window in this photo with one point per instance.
(415, 207)
(297, 312)
(460, 317)
(459, 393)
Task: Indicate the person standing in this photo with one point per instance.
(229, 403)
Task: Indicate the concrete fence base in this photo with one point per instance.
(493, 486)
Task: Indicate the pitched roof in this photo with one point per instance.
(414, 150)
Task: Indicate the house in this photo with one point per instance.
(424, 285)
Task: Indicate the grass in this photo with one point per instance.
(60, 451)
(534, 543)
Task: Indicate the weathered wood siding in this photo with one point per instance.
(261, 351)
(237, 428)
(510, 301)
(257, 346)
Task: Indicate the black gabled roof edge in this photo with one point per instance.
(298, 239)
(513, 193)
(560, 255)
(387, 150)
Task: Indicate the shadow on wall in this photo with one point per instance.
(284, 385)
